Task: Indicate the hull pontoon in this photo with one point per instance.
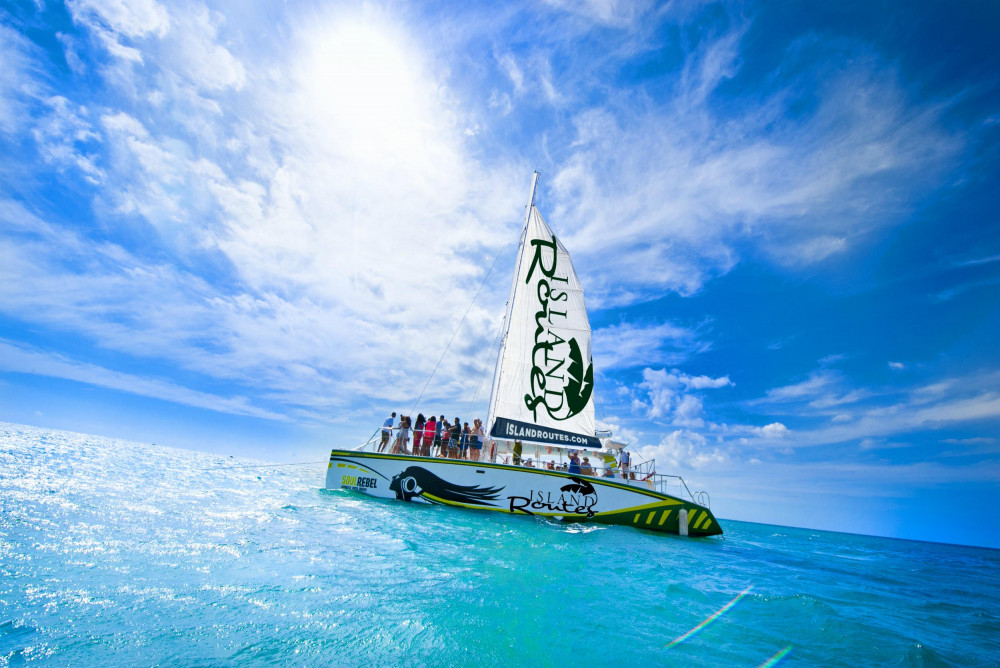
(518, 490)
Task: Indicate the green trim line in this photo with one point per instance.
(509, 467)
(657, 515)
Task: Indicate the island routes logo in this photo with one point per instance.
(577, 498)
(561, 392)
(416, 481)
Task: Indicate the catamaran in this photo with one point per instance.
(541, 411)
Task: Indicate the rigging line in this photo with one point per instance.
(461, 322)
(494, 351)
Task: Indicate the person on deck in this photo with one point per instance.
(437, 436)
(586, 468)
(454, 449)
(418, 434)
(430, 429)
(399, 447)
(386, 431)
(476, 442)
(574, 462)
(445, 430)
(624, 461)
(466, 437)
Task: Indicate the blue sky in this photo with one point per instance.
(252, 228)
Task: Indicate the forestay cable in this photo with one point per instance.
(455, 333)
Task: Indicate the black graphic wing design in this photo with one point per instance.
(439, 488)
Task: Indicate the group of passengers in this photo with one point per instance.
(434, 437)
(576, 466)
(573, 466)
(437, 437)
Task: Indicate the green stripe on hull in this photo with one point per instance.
(654, 511)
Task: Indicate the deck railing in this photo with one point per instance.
(641, 474)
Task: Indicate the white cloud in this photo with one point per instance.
(617, 13)
(336, 201)
(773, 430)
(23, 360)
(661, 197)
(666, 394)
(132, 18)
(20, 81)
(315, 218)
(510, 67)
(817, 382)
(688, 412)
(706, 382)
(61, 135)
(629, 345)
(71, 53)
(683, 450)
(812, 250)
(200, 56)
(905, 417)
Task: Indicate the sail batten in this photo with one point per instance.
(543, 384)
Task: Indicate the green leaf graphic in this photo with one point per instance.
(579, 385)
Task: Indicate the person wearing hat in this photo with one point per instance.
(574, 462)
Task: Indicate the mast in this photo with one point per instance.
(491, 412)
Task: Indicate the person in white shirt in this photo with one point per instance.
(624, 461)
(386, 432)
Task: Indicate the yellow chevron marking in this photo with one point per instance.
(657, 505)
(666, 514)
(649, 520)
(706, 522)
(693, 518)
(635, 520)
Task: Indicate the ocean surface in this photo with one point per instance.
(119, 553)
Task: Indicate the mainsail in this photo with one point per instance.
(544, 381)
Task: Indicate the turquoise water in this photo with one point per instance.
(121, 553)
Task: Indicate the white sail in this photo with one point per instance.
(543, 385)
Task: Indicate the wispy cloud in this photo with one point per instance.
(308, 218)
(22, 360)
(863, 413)
(682, 182)
(628, 345)
(347, 217)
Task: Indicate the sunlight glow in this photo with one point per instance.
(362, 82)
